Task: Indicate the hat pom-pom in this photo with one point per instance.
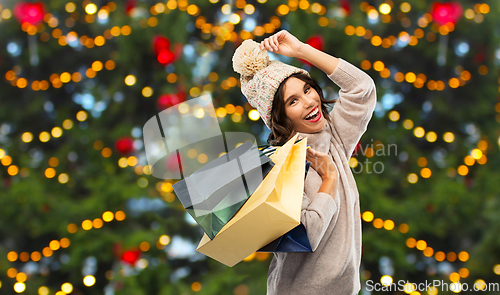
(248, 58)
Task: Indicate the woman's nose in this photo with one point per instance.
(308, 102)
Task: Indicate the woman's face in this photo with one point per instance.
(303, 106)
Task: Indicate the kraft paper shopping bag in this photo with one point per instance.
(271, 211)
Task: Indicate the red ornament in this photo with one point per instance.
(131, 4)
(160, 43)
(315, 42)
(167, 100)
(346, 6)
(31, 13)
(131, 256)
(165, 56)
(449, 12)
(356, 149)
(124, 145)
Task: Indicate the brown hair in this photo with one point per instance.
(281, 125)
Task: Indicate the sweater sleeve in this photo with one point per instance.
(316, 215)
(354, 108)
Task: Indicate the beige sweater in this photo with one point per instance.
(333, 224)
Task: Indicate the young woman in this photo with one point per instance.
(290, 102)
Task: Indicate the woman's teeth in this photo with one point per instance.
(312, 115)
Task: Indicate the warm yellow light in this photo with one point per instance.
(249, 9)
(67, 288)
(353, 162)
(384, 8)
(426, 172)
(410, 77)
(253, 115)
(120, 215)
(411, 243)
(431, 136)
(389, 225)
(412, 178)
(448, 137)
(72, 228)
(65, 242)
(419, 132)
(54, 245)
(81, 116)
(91, 8)
(454, 277)
(378, 66)
(463, 256)
(27, 137)
(405, 7)
(367, 216)
(70, 7)
(44, 136)
(164, 240)
(225, 9)
(463, 170)
(21, 277)
(234, 19)
(403, 228)
(89, 281)
(19, 287)
(440, 256)
(56, 132)
(378, 223)
(67, 124)
(408, 124)
(421, 245)
(130, 80)
(87, 224)
(476, 154)
(196, 286)
(107, 216)
(50, 172)
(43, 291)
(386, 280)
(496, 269)
(97, 223)
(63, 178)
(394, 116)
(428, 252)
(372, 14)
(147, 91)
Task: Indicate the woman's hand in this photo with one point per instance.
(323, 164)
(282, 43)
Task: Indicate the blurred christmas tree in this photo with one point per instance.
(81, 214)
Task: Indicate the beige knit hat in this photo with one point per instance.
(260, 77)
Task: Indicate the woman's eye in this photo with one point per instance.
(293, 100)
(308, 88)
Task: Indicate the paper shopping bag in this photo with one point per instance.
(295, 240)
(270, 212)
(215, 192)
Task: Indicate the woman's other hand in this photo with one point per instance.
(282, 43)
(323, 164)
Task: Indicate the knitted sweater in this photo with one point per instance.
(333, 224)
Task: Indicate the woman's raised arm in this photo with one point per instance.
(287, 44)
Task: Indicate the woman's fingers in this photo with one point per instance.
(269, 45)
(275, 41)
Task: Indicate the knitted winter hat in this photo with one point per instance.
(260, 77)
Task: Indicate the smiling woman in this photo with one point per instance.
(289, 101)
(297, 97)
